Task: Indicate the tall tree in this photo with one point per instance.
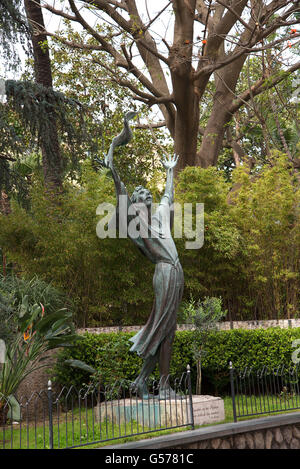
(211, 40)
(51, 153)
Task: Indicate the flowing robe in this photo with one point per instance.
(159, 247)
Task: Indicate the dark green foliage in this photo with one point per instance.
(110, 354)
(7, 319)
(107, 353)
(60, 245)
(14, 29)
(107, 103)
(38, 106)
(11, 135)
(4, 175)
(14, 182)
(29, 330)
(29, 120)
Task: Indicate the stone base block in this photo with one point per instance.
(208, 409)
(154, 413)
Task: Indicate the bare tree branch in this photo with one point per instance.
(153, 125)
(237, 15)
(260, 86)
(61, 13)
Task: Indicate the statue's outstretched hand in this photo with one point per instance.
(170, 162)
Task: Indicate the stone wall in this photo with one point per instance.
(278, 432)
(32, 392)
(224, 326)
(287, 437)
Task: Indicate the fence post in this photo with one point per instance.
(50, 402)
(231, 372)
(190, 396)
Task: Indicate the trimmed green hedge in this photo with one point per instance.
(110, 353)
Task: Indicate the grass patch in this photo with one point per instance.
(72, 431)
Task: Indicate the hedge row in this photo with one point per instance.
(110, 354)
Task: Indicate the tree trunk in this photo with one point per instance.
(199, 378)
(5, 209)
(226, 80)
(51, 154)
(184, 91)
(186, 132)
(213, 134)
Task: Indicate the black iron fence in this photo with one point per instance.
(265, 391)
(95, 414)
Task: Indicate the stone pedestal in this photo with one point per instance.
(208, 409)
(154, 413)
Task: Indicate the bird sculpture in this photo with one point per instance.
(122, 139)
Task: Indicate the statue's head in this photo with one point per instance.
(141, 195)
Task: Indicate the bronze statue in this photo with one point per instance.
(154, 341)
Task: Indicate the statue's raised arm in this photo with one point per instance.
(169, 162)
(122, 139)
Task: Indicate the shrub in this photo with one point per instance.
(204, 316)
(110, 353)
